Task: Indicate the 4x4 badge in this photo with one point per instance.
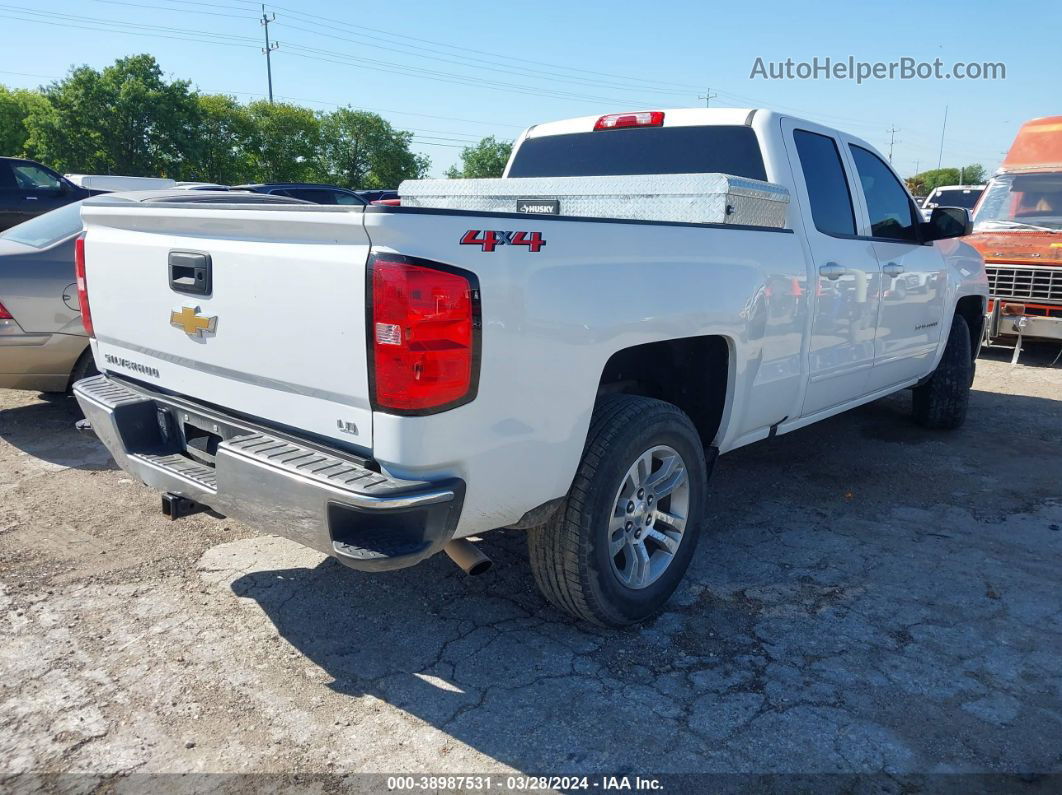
(188, 320)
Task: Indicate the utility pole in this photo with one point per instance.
(892, 139)
(268, 49)
(940, 156)
(707, 96)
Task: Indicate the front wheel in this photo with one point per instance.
(940, 403)
(619, 546)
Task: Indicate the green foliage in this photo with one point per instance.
(363, 149)
(284, 142)
(222, 152)
(15, 108)
(921, 184)
(485, 159)
(128, 119)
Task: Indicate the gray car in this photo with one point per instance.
(43, 345)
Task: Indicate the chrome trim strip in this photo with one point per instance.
(236, 375)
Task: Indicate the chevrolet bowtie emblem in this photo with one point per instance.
(188, 320)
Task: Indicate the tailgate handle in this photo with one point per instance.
(190, 272)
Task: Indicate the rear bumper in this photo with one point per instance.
(38, 361)
(321, 497)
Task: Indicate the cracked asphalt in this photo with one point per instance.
(869, 597)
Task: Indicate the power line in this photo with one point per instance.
(707, 96)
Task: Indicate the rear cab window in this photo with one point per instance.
(831, 202)
(706, 149)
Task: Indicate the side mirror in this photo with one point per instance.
(947, 222)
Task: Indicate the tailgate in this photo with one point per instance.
(279, 336)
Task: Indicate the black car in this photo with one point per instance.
(307, 191)
(28, 189)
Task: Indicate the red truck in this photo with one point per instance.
(1018, 230)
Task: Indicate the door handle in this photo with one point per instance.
(831, 270)
(892, 269)
(31, 198)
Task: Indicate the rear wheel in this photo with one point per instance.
(84, 367)
(941, 402)
(619, 546)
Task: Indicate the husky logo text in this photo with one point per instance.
(489, 240)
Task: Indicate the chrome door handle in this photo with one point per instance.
(831, 270)
(31, 198)
(892, 269)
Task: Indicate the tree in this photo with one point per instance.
(284, 142)
(485, 159)
(126, 119)
(15, 107)
(922, 184)
(224, 141)
(359, 149)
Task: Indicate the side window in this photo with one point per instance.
(889, 205)
(347, 198)
(315, 195)
(7, 177)
(30, 177)
(831, 203)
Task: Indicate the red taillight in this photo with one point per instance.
(645, 118)
(4, 314)
(82, 284)
(389, 202)
(424, 335)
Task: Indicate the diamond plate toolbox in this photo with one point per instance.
(690, 198)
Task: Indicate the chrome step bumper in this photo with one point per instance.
(325, 499)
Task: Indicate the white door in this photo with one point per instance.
(910, 318)
(845, 274)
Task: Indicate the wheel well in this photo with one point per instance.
(972, 309)
(691, 373)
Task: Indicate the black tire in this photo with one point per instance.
(84, 367)
(569, 554)
(941, 402)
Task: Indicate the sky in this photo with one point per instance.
(453, 72)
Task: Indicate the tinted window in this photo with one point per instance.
(831, 203)
(347, 198)
(47, 229)
(315, 195)
(889, 206)
(7, 179)
(31, 177)
(642, 150)
(954, 198)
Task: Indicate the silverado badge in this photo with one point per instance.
(188, 320)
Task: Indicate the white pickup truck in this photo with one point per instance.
(382, 382)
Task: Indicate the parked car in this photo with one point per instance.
(1018, 229)
(649, 290)
(43, 345)
(307, 191)
(952, 196)
(28, 189)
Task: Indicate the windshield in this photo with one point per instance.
(48, 228)
(963, 197)
(642, 150)
(1022, 200)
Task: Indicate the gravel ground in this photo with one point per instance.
(869, 597)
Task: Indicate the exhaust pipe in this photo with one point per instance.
(467, 555)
